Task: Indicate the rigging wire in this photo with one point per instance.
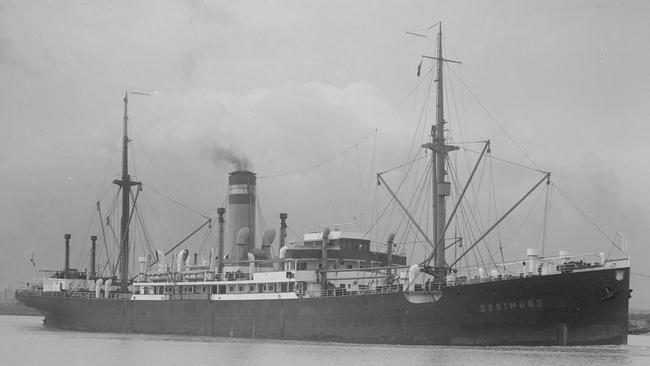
(403, 165)
(422, 119)
(103, 236)
(328, 160)
(473, 210)
(546, 222)
(295, 234)
(413, 206)
(493, 198)
(208, 232)
(157, 218)
(507, 161)
(424, 29)
(146, 154)
(495, 120)
(587, 217)
(146, 236)
(389, 204)
(117, 262)
(370, 182)
(177, 203)
(464, 221)
(463, 208)
(260, 215)
(108, 167)
(523, 222)
(420, 128)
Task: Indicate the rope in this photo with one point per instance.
(389, 204)
(546, 224)
(367, 198)
(494, 205)
(155, 214)
(523, 222)
(177, 203)
(587, 217)
(293, 232)
(494, 119)
(260, 215)
(160, 178)
(403, 165)
(508, 161)
(108, 165)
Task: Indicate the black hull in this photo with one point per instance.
(580, 308)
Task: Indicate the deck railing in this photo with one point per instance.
(426, 288)
(334, 292)
(73, 294)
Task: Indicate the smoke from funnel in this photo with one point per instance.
(237, 159)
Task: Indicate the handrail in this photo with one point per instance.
(74, 294)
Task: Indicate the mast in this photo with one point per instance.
(440, 207)
(441, 187)
(125, 184)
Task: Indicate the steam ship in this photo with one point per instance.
(335, 286)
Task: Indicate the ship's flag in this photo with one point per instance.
(32, 260)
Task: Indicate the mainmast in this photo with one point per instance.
(125, 184)
(441, 187)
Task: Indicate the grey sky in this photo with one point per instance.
(291, 84)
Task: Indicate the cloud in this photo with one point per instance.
(4, 50)
(282, 128)
(189, 63)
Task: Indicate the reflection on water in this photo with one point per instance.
(24, 341)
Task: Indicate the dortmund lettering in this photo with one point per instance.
(512, 305)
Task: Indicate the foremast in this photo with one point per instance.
(439, 152)
(125, 184)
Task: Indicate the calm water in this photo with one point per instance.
(24, 341)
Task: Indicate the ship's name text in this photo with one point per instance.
(528, 304)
